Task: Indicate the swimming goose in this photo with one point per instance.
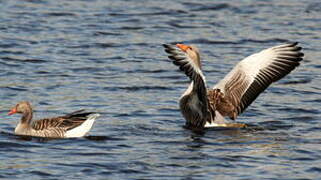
(202, 107)
(75, 124)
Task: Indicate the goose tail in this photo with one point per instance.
(83, 128)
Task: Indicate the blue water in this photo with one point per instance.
(106, 56)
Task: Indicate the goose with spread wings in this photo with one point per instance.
(208, 107)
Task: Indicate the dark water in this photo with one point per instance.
(106, 56)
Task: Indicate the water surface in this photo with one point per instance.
(106, 56)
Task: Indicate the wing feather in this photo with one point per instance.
(189, 67)
(66, 122)
(194, 101)
(255, 73)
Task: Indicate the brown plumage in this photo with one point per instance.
(55, 127)
(203, 107)
(218, 102)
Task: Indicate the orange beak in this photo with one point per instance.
(13, 111)
(183, 47)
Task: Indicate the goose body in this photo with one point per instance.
(209, 107)
(75, 124)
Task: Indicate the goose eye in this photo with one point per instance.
(17, 107)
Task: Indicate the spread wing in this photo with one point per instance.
(190, 67)
(254, 74)
(193, 102)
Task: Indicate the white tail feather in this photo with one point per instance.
(84, 128)
(219, 121)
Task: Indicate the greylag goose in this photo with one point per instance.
(207, 107)
(75, 124)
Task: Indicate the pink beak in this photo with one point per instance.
(183, 47)
(13, 111)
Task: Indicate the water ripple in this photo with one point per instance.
(106, 56)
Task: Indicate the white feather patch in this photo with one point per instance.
(84, 128)
(219, 121)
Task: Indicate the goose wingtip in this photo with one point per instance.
(294, 43)
(165, 45)
(96, 115)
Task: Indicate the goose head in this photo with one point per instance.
(22, 107)
(192, 52)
